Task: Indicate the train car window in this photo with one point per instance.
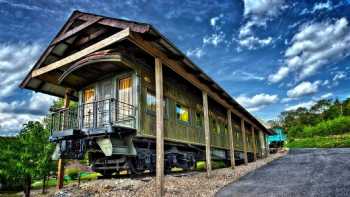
(199, 119)
(151, 103)
(182, 113)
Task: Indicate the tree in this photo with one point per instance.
(34, 153)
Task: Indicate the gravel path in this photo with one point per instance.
(188, 184)
(303, 172)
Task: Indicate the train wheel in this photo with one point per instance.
(135, 166)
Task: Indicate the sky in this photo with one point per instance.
(270, 55)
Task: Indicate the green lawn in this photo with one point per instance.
(332, 141)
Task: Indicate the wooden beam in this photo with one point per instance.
(254, 143)
(232, 146)
(159, 128)
(80, 54)
(245, 154)
(60, 167)
(207, 133)
(76, 30)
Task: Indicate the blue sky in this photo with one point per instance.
(271, 55)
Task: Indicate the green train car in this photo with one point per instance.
(107, 65)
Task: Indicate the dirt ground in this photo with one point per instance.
(183, 184)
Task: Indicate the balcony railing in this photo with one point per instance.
(97, 114)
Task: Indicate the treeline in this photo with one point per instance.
(326, 117)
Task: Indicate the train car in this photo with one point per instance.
(107, 65)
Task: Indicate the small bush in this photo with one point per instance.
(72, 172)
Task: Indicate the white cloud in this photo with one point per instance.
(225, 75)
(303, 88)
(214, 21)
(214, 39)
(15, 61)
(326, 96)
(339, 75)
(262, 7)
(257, 13)
(287, 100)
(257, 102)
(304, 105)
(15, 113)
(314, 46)
(197, 52)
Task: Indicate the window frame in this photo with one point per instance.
(153, 112)
(187, 123)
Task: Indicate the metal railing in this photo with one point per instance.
(97, 114)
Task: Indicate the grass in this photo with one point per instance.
(332, 141)
(52, 182)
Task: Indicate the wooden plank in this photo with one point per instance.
(254, 143)
(80, 54)
(60, 167)
(262, 143)
(245, 154)
(176, 67)
(232, 146)
(76, 30)
(159, 128)
(207, 133)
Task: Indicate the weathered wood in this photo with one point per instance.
(76, 30)
(176, 67)
(78, 55)
(159, 128)
(254, 143)
(262, 143)
(245, 154)
(207, 133)
(232, 146)
(60, 167)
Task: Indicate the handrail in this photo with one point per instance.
(96, 114)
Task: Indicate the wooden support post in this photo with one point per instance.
(232, 146)
(267, 146)
(245, 154)
(262, 143)
(159, 128)
(254, 143)
(60, 167)
(207, 133)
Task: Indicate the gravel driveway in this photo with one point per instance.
(303, 172)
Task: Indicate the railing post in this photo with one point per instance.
(110, 110)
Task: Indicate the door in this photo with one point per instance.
(88, 107)
(125, 100)
(104, 104)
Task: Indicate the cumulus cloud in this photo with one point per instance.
(303, 88)
(15, 62)
(315, 45)
(257, 13)
(257, 102)
(326, 96)
(262, 7)
(303, 104)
